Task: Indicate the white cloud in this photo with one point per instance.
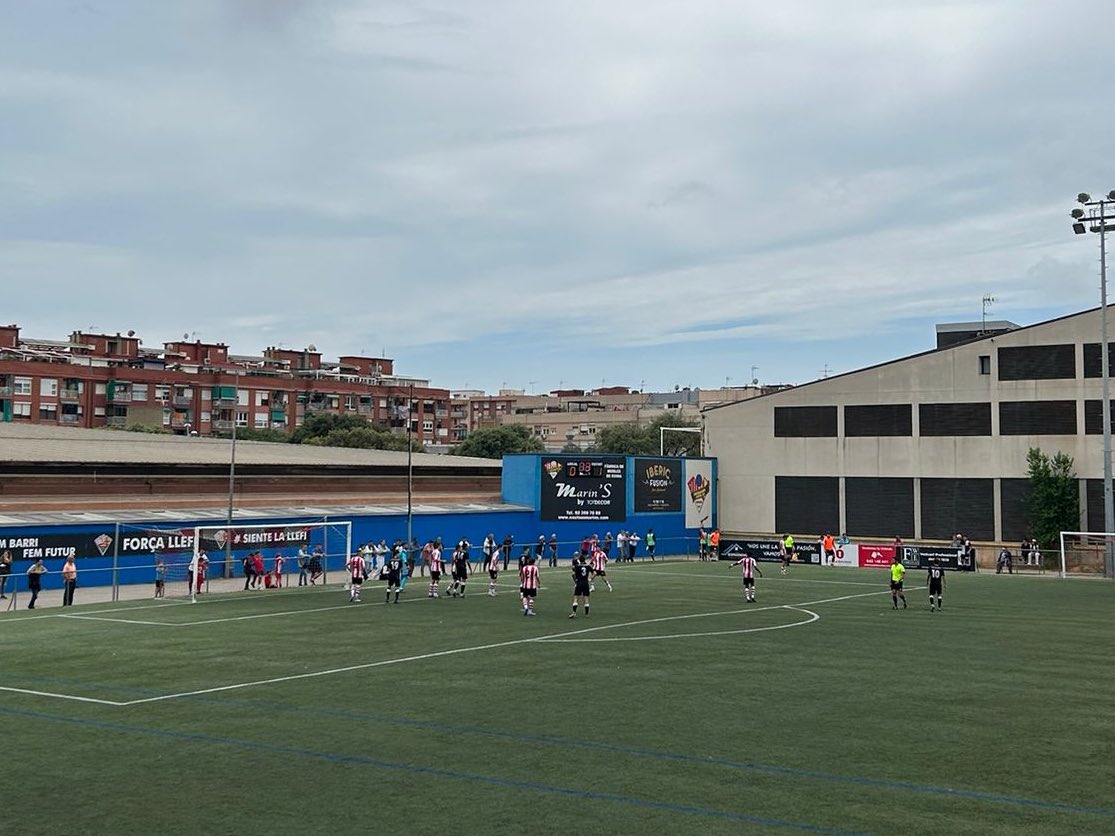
(643, 173)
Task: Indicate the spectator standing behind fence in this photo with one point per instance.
(608, 545)
(5, 571)
(621, 546)
(160, 578)
(303, 566)
(35, 574)
(632, 546)
(69, 581)
(553, 549)
(508, 543)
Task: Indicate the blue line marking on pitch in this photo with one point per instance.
(362, 760)
(680, 757)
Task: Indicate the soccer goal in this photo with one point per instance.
(281, 554)
(1084, 553)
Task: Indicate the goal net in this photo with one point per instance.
(1086, 553)
(269, 555)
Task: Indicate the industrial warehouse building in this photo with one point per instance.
(921, 447)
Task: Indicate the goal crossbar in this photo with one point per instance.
(1084, 552)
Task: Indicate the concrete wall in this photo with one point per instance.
(741, 435)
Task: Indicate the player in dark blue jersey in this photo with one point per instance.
(393, 573)
(582, 586)
(936, 581)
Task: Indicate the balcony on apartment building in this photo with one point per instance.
(69, 394)
(69, 418)
(182, 401)
(223, 426)
(5, 391)
(116, 421)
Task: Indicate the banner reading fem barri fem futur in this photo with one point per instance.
(583, 488)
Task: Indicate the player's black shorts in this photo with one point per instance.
(896, 586)
(392, 580)
(357, 580)
(493, 573)
(830, 553)
(435, 576)
(159, 584)
(935, 587)
(461, 575)
(748, 581)
(528, 593)
(580, 589)
(599, 573)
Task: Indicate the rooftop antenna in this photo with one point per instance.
(754, 376)
(988, 300)
(825, 371)
(531, 383)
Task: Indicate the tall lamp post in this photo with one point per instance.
(1099, 216)
(231, 478)
(410, 469)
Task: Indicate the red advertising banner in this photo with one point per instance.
(875, 556)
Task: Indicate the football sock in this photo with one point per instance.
(586, 610)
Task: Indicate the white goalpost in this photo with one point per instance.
(1083, 553)
(305, 551)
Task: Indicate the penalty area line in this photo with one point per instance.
(459, 650)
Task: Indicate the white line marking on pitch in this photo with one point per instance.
(813, 617)
(650, 571)
(60, 696)
(440, 653)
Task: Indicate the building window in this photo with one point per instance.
(48, 412)
(48, 387)
(139, 392)
(262, 420)
(100, 389)
(427, 426)
(949, 419)
(985, 364)
(1037, 418)
(21, 410)
(805, 421)
(878, 420)
(21, 386)
(1037, 362)
(261, 399)
(241, 419)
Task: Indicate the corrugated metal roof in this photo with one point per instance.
(31, 443)
(168, 517)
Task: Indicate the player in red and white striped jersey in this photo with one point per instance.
(599, 562)
(528, 585)
(750, 568)
(436, 568)
(357, 571)
(493, 571)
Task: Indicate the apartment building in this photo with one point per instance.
(113, 380)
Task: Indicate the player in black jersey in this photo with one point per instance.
(393, 573)
(936, 581)
(460, 573)
(581, 584)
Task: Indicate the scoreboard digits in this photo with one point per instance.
(584, 467)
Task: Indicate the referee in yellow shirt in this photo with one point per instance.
(897, 574)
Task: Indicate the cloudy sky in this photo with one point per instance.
(531, 194)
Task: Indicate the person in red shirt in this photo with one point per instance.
(279, 561)
(357, 571)
(599, 562)
(750, 568)
(528, 585)
(257, 566)
(202, 569)
(431, 555)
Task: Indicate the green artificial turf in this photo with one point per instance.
(676, 708)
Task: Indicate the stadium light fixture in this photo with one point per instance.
(1099, 213)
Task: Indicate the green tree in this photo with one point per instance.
(366, 437)
(497, 442)
(321, 424)
(252, 434)
(1054, 501)
(644, 441)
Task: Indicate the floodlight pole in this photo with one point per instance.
(231, 481)
(410, 471)
(1097, 211)
(662, 437)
